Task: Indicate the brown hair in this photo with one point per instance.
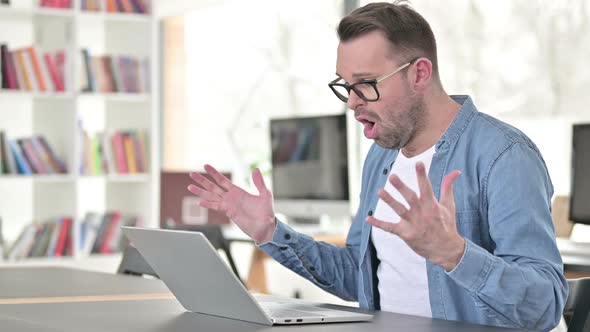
(407, 30)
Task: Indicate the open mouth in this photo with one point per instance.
(370, 129)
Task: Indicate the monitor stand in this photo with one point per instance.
(305, 220)
(317, 224)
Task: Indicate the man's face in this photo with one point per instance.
(393, 120)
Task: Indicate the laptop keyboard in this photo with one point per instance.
(288, 313)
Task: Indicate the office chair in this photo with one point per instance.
(214, 234)
(133, 263)
(577, 307)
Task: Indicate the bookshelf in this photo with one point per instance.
(57, 116)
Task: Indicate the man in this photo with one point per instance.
(454, 220)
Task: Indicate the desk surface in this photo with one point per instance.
(575, 255)
(155, 314)
(25, 282)
(168, 315)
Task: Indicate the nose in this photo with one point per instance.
(354, 100)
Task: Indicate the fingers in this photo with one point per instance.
(408, 194)
(206, 184)
(398, 207)
(259, 181)
(223, 182)
(446, 192)
(424, 185)
(397, 228)
(205, 194)
(217, 206)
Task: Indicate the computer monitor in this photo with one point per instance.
(580, 184)
(309, 158)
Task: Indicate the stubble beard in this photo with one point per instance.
(401, 126)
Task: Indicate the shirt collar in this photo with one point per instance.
(459, 123)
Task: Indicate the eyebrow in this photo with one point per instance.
(358, 75)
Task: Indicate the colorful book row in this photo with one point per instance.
(63, 236)
(29, 155)
(116, 6)
(109, 74)
(27, 69)
(55, 3)
(49, 239)
(120, 152)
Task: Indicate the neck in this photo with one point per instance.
(440, 110)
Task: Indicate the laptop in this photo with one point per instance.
(202, 282)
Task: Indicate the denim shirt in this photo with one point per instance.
(511, 273)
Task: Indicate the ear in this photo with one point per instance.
(421, 73)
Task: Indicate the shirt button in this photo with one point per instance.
(370, 213)
(283, 248)
(287, 236)
(311, 268)
(384, 171)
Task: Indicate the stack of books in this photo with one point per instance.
(114, 152)
(29, 155)
(28, 69)
(64, 236)
(116, 6)
(108, 74)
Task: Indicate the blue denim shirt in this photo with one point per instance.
(511, 273)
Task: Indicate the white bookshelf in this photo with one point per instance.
(99, 263)
(23, 198)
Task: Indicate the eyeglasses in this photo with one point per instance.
(365, 89)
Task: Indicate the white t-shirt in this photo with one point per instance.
(403, 283)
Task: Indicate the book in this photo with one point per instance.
(30, 153)
(97, 160)
(90, 75)
(8, 157)
(64, 229)
(139, 152)
(60, 64)
(11, 71)
(4, 66)
(104, 224)
(111, 6)
(92, 222)
(114, 223)
(54, 236)
(22, 68)
(51, 66)
(36, 66)
(119, 5)
(43, 156)
(119, 153)
(42, 238)
(20, 247)
(22, 164)
(130, 153)
(55, 161)
(3, 156)
(99, 74)
(137, 6)
(111, 82)
(127, 6)
(107, 153)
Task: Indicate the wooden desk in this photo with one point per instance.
(152, 315)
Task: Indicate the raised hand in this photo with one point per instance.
(428, 226)
(253, 214)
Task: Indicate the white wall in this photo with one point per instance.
(162, 8)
